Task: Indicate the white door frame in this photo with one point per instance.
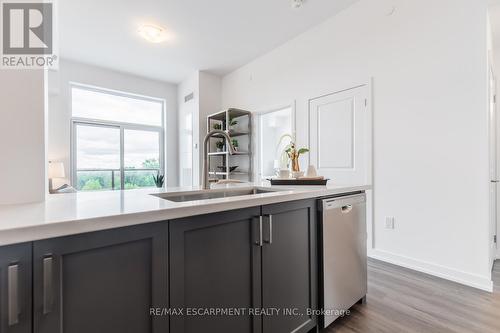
(493, 151)
(370, 206)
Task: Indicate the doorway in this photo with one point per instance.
(275, 129)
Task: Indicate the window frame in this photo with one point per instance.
(258, 160)
(122, 126)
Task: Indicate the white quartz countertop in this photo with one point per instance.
(74, 213)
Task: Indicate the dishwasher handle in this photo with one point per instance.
(346, 209)
(345, 203)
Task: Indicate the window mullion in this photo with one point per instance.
(122, 158)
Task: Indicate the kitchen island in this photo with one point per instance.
(238, 258)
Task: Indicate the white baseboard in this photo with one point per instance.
(471, 280)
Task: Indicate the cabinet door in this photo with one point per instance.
(289, 266)
(215, 264)
(15, 288)
(102, 282)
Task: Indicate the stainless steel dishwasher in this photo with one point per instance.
(343, 265)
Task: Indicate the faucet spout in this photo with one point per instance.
(231, 150)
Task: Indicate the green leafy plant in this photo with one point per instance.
(217, 126)
(219, 145)
(294, 154)
(235, 143)
(292, 151)
(232, 121)
(159, 180)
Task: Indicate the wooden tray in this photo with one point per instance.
(293, 181)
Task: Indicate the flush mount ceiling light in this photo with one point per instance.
(297, 3)
(152, 33)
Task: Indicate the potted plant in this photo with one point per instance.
(232, 122)
(159, 180)
(294, 154)
(235, 144)
(219, 145)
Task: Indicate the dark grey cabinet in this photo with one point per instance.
(251, 270)
(215, 264)
(289, 266)
(258, 258)
(15, 289)
(102, 282)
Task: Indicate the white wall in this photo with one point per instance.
(206, 89)
(428, 63)
(210, 91)
(60, 111)
(189, 161)
(210, 98)
(23, 133)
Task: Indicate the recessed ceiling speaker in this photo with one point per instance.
(297, 3)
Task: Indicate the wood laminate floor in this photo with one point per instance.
(401, 300)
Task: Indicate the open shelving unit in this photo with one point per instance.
(242, 132)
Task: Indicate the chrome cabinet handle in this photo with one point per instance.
(270, 228)
(260, 242)
(13, 294)
(260, 231)
(47, 285)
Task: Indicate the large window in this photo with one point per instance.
(117, 139)
(275, 131)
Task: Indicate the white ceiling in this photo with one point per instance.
(212, 35)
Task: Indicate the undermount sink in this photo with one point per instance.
(211, 194)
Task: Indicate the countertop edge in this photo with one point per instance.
(42, 231)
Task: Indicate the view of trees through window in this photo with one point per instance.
(110, 180)
(110, 154)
